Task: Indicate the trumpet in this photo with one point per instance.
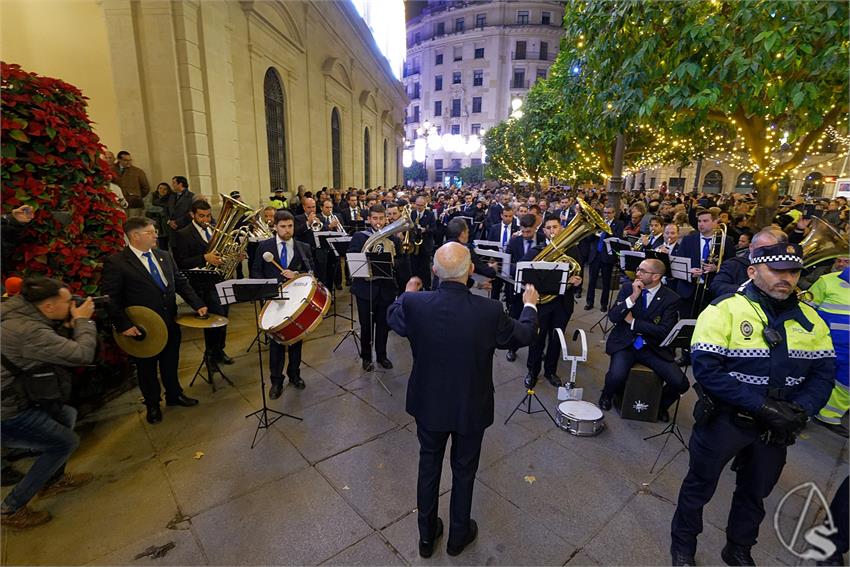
(316, 224)
(339, 228)
(447, 212)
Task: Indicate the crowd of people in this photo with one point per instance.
(764, 362)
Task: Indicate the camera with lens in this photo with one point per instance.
(100, 301)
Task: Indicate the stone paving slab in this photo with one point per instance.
(371, 551)
(186, 550)
(297, 520)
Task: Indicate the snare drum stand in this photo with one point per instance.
(264, 421)
(212, 369)
(526, 400)
(350, 332)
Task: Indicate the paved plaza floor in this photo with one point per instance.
(339, 487)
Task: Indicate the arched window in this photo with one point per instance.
(813, 184)
(385, 163)
(713, 182)
(275, 129)
(336, 151)
(367, 180)
(744, 183)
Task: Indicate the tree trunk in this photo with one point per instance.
(768, 199)
(615, 183)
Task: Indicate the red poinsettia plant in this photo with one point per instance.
(51, 161)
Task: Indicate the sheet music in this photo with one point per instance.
(358, 266)
(502, 257)
(680, 267)
(562, 267)
(674, 332)
(317, 236)
(337, 239)
(488, 244)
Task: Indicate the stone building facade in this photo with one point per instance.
(234, 94)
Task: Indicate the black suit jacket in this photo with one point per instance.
(302, 261)
(188, 248)
(690, 246)
(127, 282)
(384, 290)
(563, 302)
(494, 233)
(453, 335)
(605, 258)
(653, 323)
(179, 206)
(345, 217)
(427, 226)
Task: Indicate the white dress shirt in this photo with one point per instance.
(144, 262)
(200, 230)
(290, 250)
(650, 295)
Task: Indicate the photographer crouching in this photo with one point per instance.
(44, 332)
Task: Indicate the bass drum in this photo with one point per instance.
(580, 418)
(303, 307)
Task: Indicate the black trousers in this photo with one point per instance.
(549, 320)
(465, 452)
(597, 268)
(277, 354)
(838, 507)
(420, 265)
(675, 381)
(167, 362)
(379, 321)
(214, 339)
(758, 467)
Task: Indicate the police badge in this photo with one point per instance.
(746, 329)
(657, 319)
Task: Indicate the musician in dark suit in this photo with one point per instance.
(452, 328)
(294, 257)
(655, 238)
(502, 232)
(601, 262)
(373, 297)
(518, 248)
(190, 251)
(552, 315)
(179, 204)
(330, 223)
(425, 225)
(494, 213)
(351, 214)
(458, 231)
(139, 275)
(403, 269)
(701, 246)
(643, 316)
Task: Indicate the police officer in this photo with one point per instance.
(763, 363)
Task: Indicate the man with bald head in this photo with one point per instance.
(733, 272)
(643, 316)
(453, 335)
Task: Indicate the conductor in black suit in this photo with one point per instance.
(293, 256)
(601, 262)
(190, 251)
(139, 275)
(373, 297)
(450, 328)
(643, 316)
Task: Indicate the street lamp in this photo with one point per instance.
(516, 105)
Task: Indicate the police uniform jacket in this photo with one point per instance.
(736, 366)
(731, 275)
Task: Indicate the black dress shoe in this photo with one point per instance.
(385, 363)
(736, 555)
(470, 537)
(554, 380)
(604, 308)
(275, 390)
(511, 355)
(604, 402)
(368, 365)
(339, 287)
(678, 558)
(663, 416)
(530, 381)
(222, 357)
(297, 382)
(578, 294)
(426, 547)
(588, 307)
(154, 414)
(182, 400)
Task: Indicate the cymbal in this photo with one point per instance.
(211, 321)
(154, 337)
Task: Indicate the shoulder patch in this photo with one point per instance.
(746, 328)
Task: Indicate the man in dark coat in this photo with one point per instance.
(452, 328)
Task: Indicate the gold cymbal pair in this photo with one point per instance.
(155, 333)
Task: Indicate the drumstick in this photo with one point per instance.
(269, 257)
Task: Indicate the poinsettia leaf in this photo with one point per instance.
(19, 135)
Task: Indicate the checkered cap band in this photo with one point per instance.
(777, 258)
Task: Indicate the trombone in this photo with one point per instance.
(715, 256)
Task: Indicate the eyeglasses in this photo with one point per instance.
(642, 271)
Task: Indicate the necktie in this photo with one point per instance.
(505, 230)
(207, 234)
(283, 259)
(157, 277)
(645, 295)
(651, 242)
(527, 245)
(601, 244)
(706, 248)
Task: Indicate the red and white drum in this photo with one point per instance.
(305, 303)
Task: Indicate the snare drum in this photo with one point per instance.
(305, 303)
(580, 418)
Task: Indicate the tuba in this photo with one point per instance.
(823, 242)
(227, 239)
(382, 237)
(586, 221)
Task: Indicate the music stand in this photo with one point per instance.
(549, 278)
(336, 244)
(371, 266)
(255, 291)
(614, 246)
(678, 337)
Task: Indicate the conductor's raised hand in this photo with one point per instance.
(413, 284)
(530, 295)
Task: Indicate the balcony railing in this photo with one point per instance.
(515, 84)
(532, 56)
(409, 71)
(415, 95)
